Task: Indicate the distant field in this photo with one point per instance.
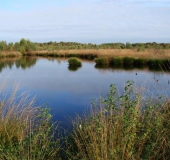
(147, 54)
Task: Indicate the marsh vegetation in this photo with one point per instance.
(88, 51)
(119, 126)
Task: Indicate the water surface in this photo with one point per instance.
(68, 90)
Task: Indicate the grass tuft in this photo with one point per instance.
(74, 62)
(128, 61)
(116, 61)
(26, 131)
(123, 126)
(102, 61)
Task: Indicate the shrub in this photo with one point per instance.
(74, 62)
(140, 62)
(128, 61)
(73, 55)
(141, 48)
(26, 131)
(155, 63)
(102, 61)
(124, 126)
(116, 61)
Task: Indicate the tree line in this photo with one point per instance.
(25, 45)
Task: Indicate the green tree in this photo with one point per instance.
(128, 45)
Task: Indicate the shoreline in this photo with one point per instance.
(96, 53)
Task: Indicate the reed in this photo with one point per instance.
(110, 53)
(128, 61)
(74, 62)
(26, 131)
(116, 61)
(102, 61)
(73, 55)
(127, 126)
(140, 62)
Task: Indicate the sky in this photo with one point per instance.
(85, 21)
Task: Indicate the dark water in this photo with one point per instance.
(68, 91)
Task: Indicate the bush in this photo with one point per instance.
(26, 131)
(128, 61)
(116, 61)
(73, 55)
(155, 63)
(74, 62)
(102, 61)
(124, 126)
(140, 62)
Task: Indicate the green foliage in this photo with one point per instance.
(140, 62)
(156, 63)
(51, 46)
(26, 46)
(3, 46)
(73, 55)
(141, 48)
(26, 131)
(123, 126)
(116, 61)
(74, 62)
(128, 45)
(102, 61)
(128, 61)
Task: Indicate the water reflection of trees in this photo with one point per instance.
(26, 62)
(7, 63)
(23, 62)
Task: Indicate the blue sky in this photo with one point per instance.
(86, 21)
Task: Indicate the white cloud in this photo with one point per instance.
(90, 21)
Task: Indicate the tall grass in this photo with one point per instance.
(116, 61)
(26, 131)
(102, 61)
(123, 127)
(110, 53)
(74, 62)
(127, 126)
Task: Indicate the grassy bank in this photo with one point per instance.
(131, 62)
(9, 54)
(154, 58)
(109, 53)
(26, 131)
(126, 126)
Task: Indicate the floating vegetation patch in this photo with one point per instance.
(74, 62)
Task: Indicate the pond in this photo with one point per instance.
(69, 91)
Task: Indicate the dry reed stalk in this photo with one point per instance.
(147, 54)
(126, 132)
(26, 131)
(10, 54)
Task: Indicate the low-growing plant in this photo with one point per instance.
(140, 62)
(128, 61)
(102, 61)
(116, 61)
(26, 131)
(127, 126)
(74, 62)
(155, 63)
(73, 55)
